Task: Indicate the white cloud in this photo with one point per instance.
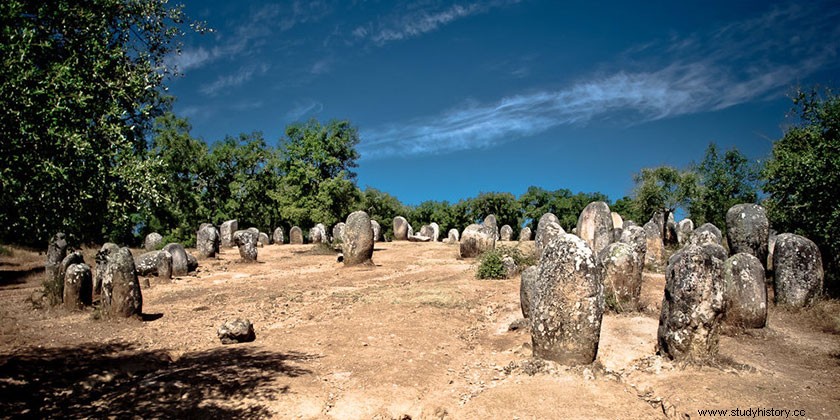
(244, 74)
(303, 109)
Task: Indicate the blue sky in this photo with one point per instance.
(456, 98)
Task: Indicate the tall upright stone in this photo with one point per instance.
(101, 269)
(277, 236)
(667, 226)
(506, 233)
(318, 234)
(745, 291)
(152, 242)
(121, 296)
(527, 284)
(568, 303)
(684, 229)
(78, 286)
(358, 239)
(435, 231)
(707, 233)
(747, 230)
(655, 253)
(476, 240)
(525, 234)
(207, 241)
(622, 276)
(454, 236)
(246, 241)
(262, 239)
(226, 233)
(798, 274)
(295, 236)
(635, 236)
(595, 225)
(546, 234)
(617, 221)
(693, 304)
(401, 228)
(542, 224)
(490, 221)
(338, 232)
(56, 251)
(377, 230)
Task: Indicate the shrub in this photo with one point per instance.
(490, 265)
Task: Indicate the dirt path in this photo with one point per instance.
(417, 335)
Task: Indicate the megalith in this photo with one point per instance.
(226, 231)
(477, 239)
(121, 296)
(748, 230)
(358, 239)
(622, 276)
(798, 270)
(595, 225)
(745, 292)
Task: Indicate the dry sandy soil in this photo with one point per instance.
(416, 336)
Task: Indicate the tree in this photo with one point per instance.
(661, 188)
(722, 182)
(81, 83)
(503, 205)
(536, 202)
(625, 208)
(383, 208)
(802, 177)
(318, 184)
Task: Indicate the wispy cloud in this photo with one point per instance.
(244, 74)
(745, 61)
(303, 109)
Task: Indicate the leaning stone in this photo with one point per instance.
(506, 233)
(295, 236)
(246, 240)
(747, 230)
(745, 292)
(548, 232)
(684, 229)
(595, 225)
(262, 239)
(121, 295)
(226, 233)
(568, 303)
(153, 241)
(358, 239)
(277, 237)
(655, 253)
(236, 331)
(693, 304)
(101, 268)
(622, 276)
(618, 222)
(207, 242)
(525, 234)
(377, 230)
(707, 233)
(180, 262)
(539, 242)
(527, 283)
(78, 286)
(454, 236)
(476, 240)
(798, 274)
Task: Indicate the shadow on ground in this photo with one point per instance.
(118, 380)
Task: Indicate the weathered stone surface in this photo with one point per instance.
(180, 262)
(771, 245)
(419, 238)
(358, 239)
(277, 237)
(747, 230)
(595, 225)
(684, 229)
(262, 239)
(192, 263)
(635, 236)
(490, 221)
(377, 230)
(627, 223)
(622, 276)
(509, 264)
(236, 331)
(78, 286)
(152, 242)
(401, 228)
(226, 233)
(527, 284)
(427, 231)
(56, 251)
(74, 257)
(568, 303)
(549, 231)
(616, 234)
(318, 234)
(295, 236)
(655, 253)
(338, 232)
(669, 227)
(101, 267)
(798, 274)
(707, 233)
(506, 233)
(454, 236)
(207, 242)
(146, 263)
(745, 292)
(164, 265)
(545, 220)
(121, 295)
(435, 231)
(617, 221)
(525, 234)
(693, 304)
(246, 241)
(477, 239)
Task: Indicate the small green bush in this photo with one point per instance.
(490, 265)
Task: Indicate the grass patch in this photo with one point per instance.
(5, 251)
(491, 263)
(824, 315)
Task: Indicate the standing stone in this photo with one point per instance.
(684, 229)
(490, 221)
(262, 239)
(377, 230)
(227, 230)
(78, 286)
(798, 269)
(101, 268)
(246, 240)
(527, 283)
(747, 230)
(667, 227)
(635, 236)
(627, 223)
(56, 251)
(548, 232)
(180, 262)
(426, 231)
(617, 221)
(164, 265)
(525, 234)
(655, 253)
(622, 276)
(277, 236)
(295, 236)
(745, 292)
(543, 223)
(454, 236)
(707, 233)
(146, 264)
(358, 239)
(338, 232)
(152, 241)
(74, 257)
(693, 304)
(435, 231)
(120, 289)
(568, 303)
(401, 228)
(477, 239)
(207, 242)
(506, 233)
(318, 234)
(771, 245)
(595, 225)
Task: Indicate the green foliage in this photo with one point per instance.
(722, 182)
(659, 188)
(522, 259)
(5, 251)
(81, 83)
(383, 208)
(536, 202)
(503, 205)
(625, 208)
(490, 266)
(802, 178)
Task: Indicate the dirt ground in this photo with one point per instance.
(416, 336)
